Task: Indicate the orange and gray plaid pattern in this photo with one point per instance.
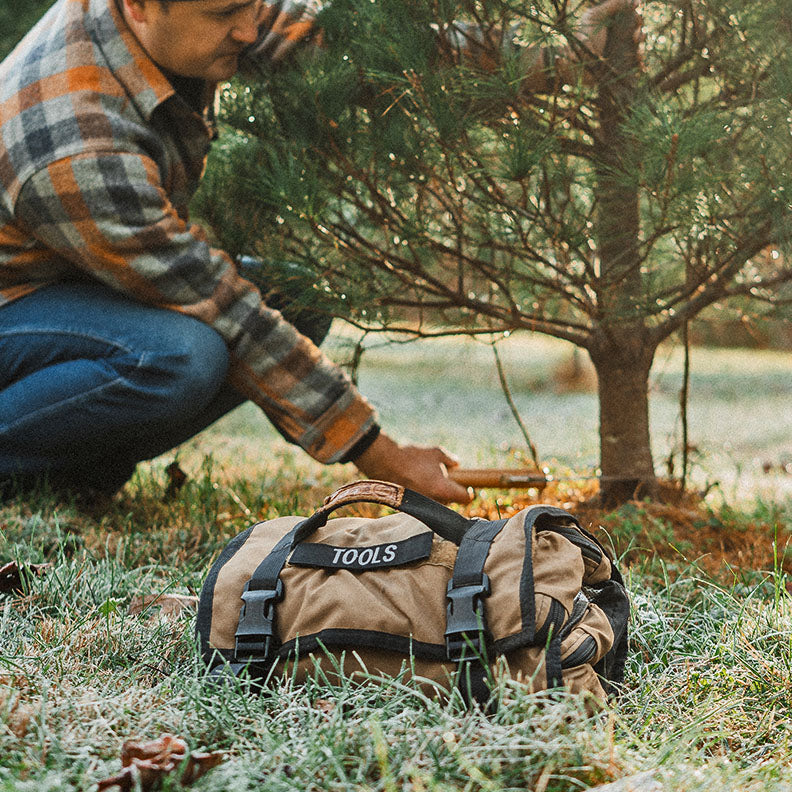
(99, 157)
(98, 160)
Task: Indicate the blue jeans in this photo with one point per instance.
(92, 382)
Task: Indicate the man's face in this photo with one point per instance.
(195, 38)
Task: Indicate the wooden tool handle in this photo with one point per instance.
(499, 478)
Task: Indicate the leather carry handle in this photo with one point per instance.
(445, 522)
(365, 491)
(256, 636)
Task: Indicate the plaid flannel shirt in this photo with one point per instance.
(99, 157)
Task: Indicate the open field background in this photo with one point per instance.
(709, 683)
(447, 391)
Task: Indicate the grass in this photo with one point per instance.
(709, 682)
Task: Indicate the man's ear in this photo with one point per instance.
(136, 9)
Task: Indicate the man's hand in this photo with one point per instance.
(419, 468)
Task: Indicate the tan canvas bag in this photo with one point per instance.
(424, 592)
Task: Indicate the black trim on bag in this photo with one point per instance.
(363, 558)
(203, 623)
(357, 639)
(510, 643)
(553, 624)
(553, 664)
(527, 593)
(371, 639)
(550, 636)
(580, 607)
(587, 547)
(527, 588)
(582, 654)
(612, 598)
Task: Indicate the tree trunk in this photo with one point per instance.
(619, 348)
(627, 469)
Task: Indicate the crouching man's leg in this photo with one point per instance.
(91, 382)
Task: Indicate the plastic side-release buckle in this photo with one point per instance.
(465, 627)
(255, 635)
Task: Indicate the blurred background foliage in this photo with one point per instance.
(16, 19)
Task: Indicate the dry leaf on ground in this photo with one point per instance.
(641, 782)
(147, 763)
(171, 604)
(16, 715)
(176, 480)
(12, 575)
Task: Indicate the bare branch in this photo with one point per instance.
(716, 286)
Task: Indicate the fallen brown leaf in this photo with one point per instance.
(176, 480)
(17, 715)
(641, 782)
(171, 604)
(12, 575)
(147, 763)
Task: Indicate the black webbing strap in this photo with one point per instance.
(553, 671)
(445, 522)
(527, 592)
(256, 638)
(528, 599)
(466, 629)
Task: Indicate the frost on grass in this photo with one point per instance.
(704, 707)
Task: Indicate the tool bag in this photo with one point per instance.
(424, 592)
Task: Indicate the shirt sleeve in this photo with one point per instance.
(290, 26)
(108, 215)
(284, 27)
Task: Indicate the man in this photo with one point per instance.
(122, 331)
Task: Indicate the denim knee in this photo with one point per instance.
(87, 374)
(181, 373)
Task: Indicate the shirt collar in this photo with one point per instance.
(143, 80)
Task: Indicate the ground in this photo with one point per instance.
(85, 664)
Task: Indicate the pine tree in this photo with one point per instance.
(438, 198)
